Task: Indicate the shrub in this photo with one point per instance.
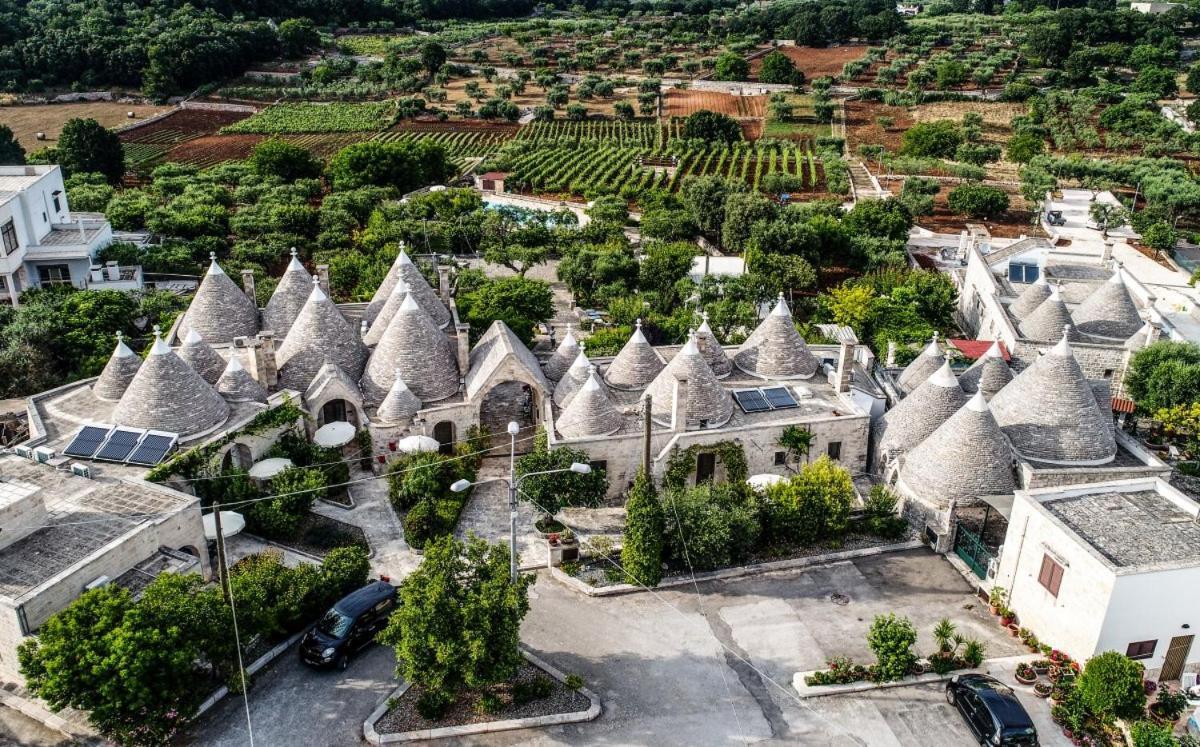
(711, 127)
(938, 139)
(490, 703)
(433, 704)
(642, 547)
(422, 523)
(413, 478)
(841, 671)
(709, 526)
(1150, 734)
(1111, 686)
(528, 691)
(977, 200)
(1171, 703)
(573, 682)
(881, 517)
(892, 639)
(813, 505)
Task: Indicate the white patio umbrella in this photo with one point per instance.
(763, 481)
(414, 444)
(333, 435)
(231, 523)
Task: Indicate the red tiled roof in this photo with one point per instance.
(975, 348)
(1120, 404)
(493, 175)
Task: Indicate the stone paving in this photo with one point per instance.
(486, 515)
(391, 556)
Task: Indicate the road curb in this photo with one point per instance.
(255, 667)
(727, 573)
(38, 711)
(374, 737)
(821, 691)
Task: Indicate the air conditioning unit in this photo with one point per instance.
(96, 583)
(81, 470)
(24, 451)
(43, 454)
(993, 567)
(241, 342)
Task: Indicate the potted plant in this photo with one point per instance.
(1169, 705)
(996, 599)
(1013, 629)
(1042, 689)
(1041, 666)
(1025, 674)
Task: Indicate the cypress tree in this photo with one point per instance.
(642, 549)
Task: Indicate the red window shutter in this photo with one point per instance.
(1050, 575)
(1056, 577)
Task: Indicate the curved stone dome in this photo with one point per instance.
(1047, 322)
(775, 350)
(711, 349)
(122, 366)
(989, 374)
(414, 345)
(201, 357)
(922, 367)
(707, 400)
(562, 358)
(288, 299)
(237, 385)
(636, 364)
(590, 411)
(1109, 311)
(167, 395)
(919, 414)
(1030, 298)
(220, 311)
(319, 335)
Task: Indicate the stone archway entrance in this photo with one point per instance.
(506, 402)
(443, 433)
(338, 410)
(238, 457)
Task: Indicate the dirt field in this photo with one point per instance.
(1012, 224)
(680, 103)
(862, 126)
(533, 97)
(997, 116)
(816, 61)
(26, 121)
(213, 149)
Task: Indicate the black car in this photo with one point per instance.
(1055, 218)
(349, 626)
(991, 710)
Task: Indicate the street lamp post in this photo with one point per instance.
(514, 487)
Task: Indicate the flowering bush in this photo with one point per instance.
(842, 671)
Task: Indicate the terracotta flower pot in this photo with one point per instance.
(1042, 690)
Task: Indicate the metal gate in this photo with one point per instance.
(1176, 658)
(969, 547)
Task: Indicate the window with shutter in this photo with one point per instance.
(1050, 576)
(1141, 649)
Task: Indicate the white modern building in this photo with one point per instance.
(1111, 566)
(42, 243)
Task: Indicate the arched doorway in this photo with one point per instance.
(239, 456)
(338, 411)
(506, 402)
(443, 432)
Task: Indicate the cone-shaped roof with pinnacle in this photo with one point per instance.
(400, 404)
(711, 349)
(1050, 413)
(220, 311)
(636, 364)
(922, 367)
(590, 412)
(562, 358)
(201, 357)
(989, 374)
(167, 395)
(320, 335)
(919, 414)
(414, 345)
(386, 314)
(573, 379)
(706, 399)
(404, 269)
(1046, 322)
(288, 299)
(237, 385)
(967, 457)
(775, 350)
(1109, 311)
(122, 366)
(1030, 298)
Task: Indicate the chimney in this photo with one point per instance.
(112, 270)
(248, 284)
(679, 406)
(323, 279)
(891, 354)
(845, 366)
(444, 283)
(82, 233)
(462, 333)
(97, 273)
(266, 368)
(363, 327)
(1106, 258)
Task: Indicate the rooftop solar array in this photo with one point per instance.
(761, 400)
(110, 443)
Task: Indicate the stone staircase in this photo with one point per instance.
(863, 185)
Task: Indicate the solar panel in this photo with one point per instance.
(119, 445)
(152, 449)
(751, 400)
(86, 442)
(780, 398)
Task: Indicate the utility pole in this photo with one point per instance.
(222, 577)
(513, 429)
(646, 438)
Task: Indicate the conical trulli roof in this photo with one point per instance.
(922, 367)
(202, 358)
(384, 291)
(1141, 338)
(711, 349)
(404, 269)
(989, 374)
(288, 299)
(400, 404)
(1109, 311)
(573, 379)
(237, 385)
(919, 414)
(415, 346)
(1046, 322)
(167, 395)
(775, 350)
(590, 412)
(967, 457)
(706, 399)
(320, 334)
(220, 311)
(122, 366)
(1030, 298)
(562, 358)
(386, 314)
(1050, 414)
(636, 364)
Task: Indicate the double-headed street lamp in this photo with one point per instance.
(514, 487)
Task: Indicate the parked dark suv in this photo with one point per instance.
(349, 626)
(1055, 218)
(991, 710)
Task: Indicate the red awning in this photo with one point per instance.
(1120, 404)
(976, 348)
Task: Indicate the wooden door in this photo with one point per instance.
(706, 467)
(1176, 658)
